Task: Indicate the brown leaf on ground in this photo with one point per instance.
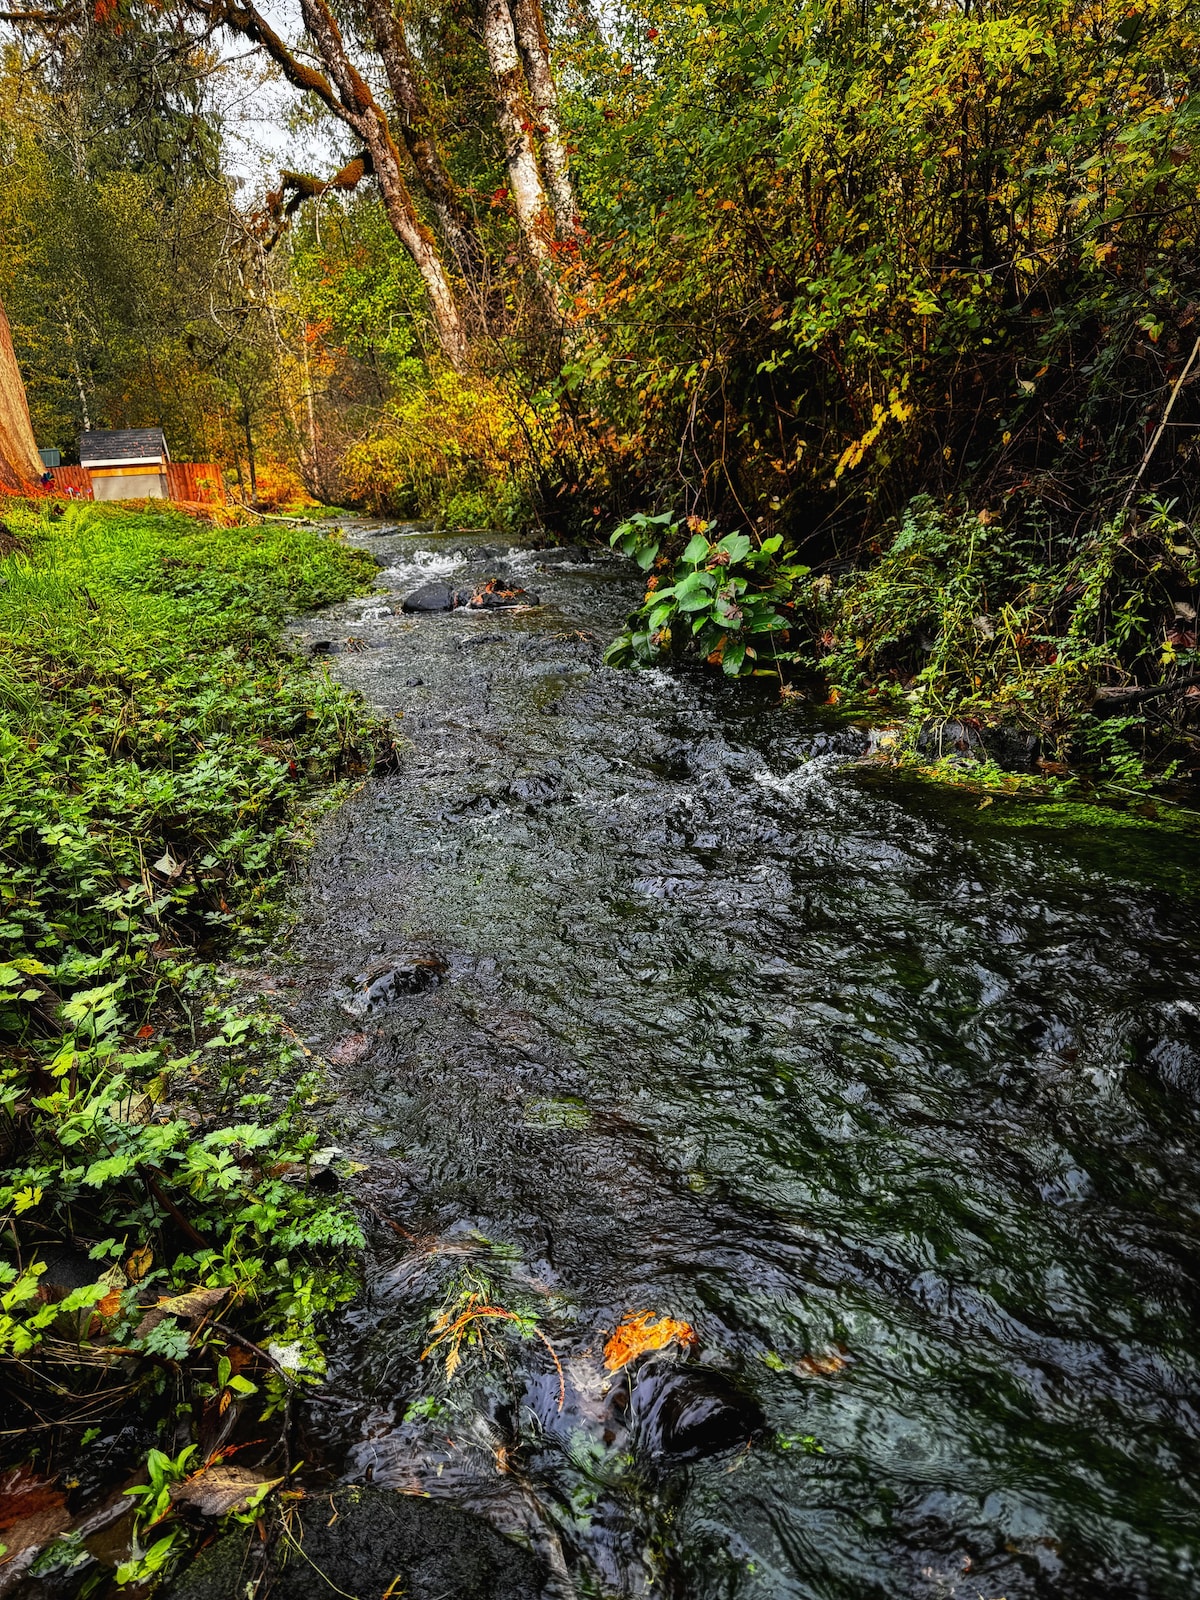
(214, 1491)
(193, 1305)
(642, 1332)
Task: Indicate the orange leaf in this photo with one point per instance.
(643, 1332)
(110, 1305)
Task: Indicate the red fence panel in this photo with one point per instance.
(74, 482)
(196, 481)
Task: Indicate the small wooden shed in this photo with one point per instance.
(126, 463)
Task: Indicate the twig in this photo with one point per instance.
(1166, 416)
(147, 1176)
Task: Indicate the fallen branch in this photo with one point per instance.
(1134, 694)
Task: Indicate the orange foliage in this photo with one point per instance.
(643, 1332)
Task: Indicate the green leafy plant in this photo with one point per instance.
(160, 750)
(727, 601)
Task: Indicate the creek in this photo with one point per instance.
(639, 993)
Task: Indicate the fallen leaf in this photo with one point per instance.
(215, 1491)
(139, 1264)
(110, 1304)
(823, 1363)
(643, 1332)
(191, 1306)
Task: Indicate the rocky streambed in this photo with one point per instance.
(639, 1002)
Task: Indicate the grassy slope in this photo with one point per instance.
(158, 746)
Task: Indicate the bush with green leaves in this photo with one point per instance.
(966, 615)
(727, 601)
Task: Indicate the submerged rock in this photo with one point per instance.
(429, 597)
(684, 1413)
(385, 981)
(555, 553)
(361, 1543)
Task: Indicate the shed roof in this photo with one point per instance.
(122, 444)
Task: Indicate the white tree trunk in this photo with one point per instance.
(515, 117)
(543, 94)
(361, 112)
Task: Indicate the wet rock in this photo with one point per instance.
(413, 683)
(944, 738)
(383, 982)
(553, 554)
(1014, 749)
(684, 1413)
(495, 594)
(531, 787)
(1167, 1053)
(370, 1543)
(322, 647)
(429, 597)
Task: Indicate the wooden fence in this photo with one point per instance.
(74, 483)
(198, 481)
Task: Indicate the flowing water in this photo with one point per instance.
(892, 1098)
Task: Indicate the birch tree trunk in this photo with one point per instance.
(348, 96)
(543, 93)
(515, 117)
(454, 221)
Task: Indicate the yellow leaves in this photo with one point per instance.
(139, 1264)
(642, 1332)
(826, 1363)
(462, 1323)
(897, 409)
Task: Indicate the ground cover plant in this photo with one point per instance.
(166, 1259)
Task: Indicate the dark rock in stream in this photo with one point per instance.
(386, 981)
(495, 594)
(562, 552)
(684, 1413)
(361, 1543)
(429, 597)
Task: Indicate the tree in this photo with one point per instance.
(20, 464)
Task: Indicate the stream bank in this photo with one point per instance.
(636, 997)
